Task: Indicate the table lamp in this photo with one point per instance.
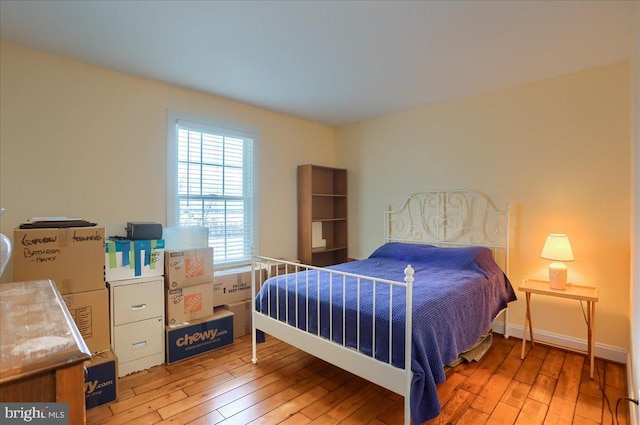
(557, 249)
(5, 249)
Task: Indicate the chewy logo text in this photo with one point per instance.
(197, 336)
(90, 387)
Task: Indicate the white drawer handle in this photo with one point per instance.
(138, 307)
(140, 344)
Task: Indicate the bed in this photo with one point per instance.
(445, 253)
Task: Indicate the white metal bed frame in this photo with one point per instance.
(442, 218)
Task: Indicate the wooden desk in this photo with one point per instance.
(575, 292)
(41, 350)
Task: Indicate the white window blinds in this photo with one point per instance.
(214, 187)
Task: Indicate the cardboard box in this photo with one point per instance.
(241, 317)
(127, 259)
(90, 311)
(233, 285)
(199, 336)
(72, 257)
(100, 382)
(280, 268)
(188, 267)
(190, 303)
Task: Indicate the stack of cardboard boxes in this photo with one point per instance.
(134, 272)
(232, 290)
(74, 259)
(193, 325)
(203, 311)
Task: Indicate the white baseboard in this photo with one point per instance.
(603, 351)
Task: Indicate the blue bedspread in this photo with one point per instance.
(457, 293)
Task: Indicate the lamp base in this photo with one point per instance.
(558, 276)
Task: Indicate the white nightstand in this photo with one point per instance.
(589, 294)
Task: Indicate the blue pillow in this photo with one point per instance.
(456, 258)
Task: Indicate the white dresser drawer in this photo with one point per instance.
(139, 339)
(138, 301)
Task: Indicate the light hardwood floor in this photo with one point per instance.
(288, 386)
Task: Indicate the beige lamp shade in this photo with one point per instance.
(557, 249)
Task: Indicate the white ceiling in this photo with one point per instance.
(329, 61)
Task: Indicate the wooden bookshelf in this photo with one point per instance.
(322, 215)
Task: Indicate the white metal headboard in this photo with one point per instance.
(450, 218)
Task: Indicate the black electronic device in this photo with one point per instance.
(144, 230)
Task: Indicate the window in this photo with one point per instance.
(211, 183)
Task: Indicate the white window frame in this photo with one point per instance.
(207, 124)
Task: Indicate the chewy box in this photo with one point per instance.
(100, 379)
(128, 259)
(199, 336)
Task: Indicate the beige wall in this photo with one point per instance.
(84, 141)
(634, 296)
(78, 140)
(557, 151)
